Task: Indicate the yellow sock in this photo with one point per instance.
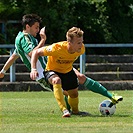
(73, 102)
(59, 96)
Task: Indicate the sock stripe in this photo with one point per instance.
(87, 81)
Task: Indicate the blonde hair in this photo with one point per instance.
(74, 32)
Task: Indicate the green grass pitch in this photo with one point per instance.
(38, 112)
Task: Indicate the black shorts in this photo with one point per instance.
(69, 80)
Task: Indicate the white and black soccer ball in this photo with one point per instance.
(106, 107)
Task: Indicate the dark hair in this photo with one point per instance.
(30, 19)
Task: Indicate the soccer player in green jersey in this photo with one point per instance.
(25, 42)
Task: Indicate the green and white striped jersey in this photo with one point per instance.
(25, 43)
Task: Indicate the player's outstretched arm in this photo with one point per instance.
(81, 77)
(35, 55)
(42, 41)
(43, 38)
(8, 63)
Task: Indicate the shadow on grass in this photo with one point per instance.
(122, 115)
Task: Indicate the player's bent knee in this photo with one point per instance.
(56, 80)
(81, 78)
(73, 93)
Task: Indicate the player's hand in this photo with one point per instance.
(33, 74)
(42, 33)
(2, 75)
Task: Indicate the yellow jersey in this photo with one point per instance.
(59, 59)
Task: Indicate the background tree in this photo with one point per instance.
(103, 21)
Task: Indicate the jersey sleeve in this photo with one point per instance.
(52, 50)
(15, 52)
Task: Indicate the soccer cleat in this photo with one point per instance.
(115, 99)
(80, 113)
(66, 113)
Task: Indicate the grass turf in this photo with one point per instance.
(38, 112)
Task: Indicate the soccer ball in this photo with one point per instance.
(106, 107)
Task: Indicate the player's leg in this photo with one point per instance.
(73, 100)
(96, 87)
(58, 93)
(66, 100)
(45, 84)
(68, 84)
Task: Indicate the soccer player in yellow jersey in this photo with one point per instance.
(89, 83)
(59, 69)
